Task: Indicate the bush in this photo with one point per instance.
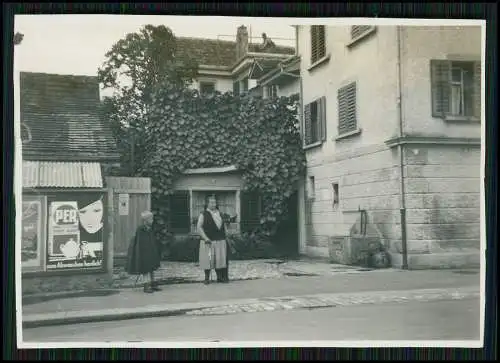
(250, 246)
(241, 247)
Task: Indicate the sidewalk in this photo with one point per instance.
(252, 295)
(184, 272)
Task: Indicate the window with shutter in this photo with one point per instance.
(346, 97)
(180, 205)
(456, 88)
(315, 122)
(358, 31)
(318, 45)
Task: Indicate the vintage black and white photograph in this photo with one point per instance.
(235, 181)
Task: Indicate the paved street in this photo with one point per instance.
(383, 280)
(413, 320)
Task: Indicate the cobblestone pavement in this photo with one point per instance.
(334, 300)
(184, 272)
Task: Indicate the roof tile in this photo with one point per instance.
(61, 113)
(214, 52)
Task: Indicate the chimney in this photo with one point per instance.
(241, 42)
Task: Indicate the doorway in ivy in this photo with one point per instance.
(286, 238)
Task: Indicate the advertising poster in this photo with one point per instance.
(75, 233)
(123, 204)
(31, 238)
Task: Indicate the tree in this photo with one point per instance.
(133, 68)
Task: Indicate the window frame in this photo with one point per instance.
(347, 108)
(335, 195)
(321, 123)
(318, 44)
(442, 82)
(270, 93)
(204, 83)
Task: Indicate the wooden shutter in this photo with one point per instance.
(346, 98)
(318, 44)
(322, 118)
(477, 89)
(358, 30)
(307, 124)
(250, 210)
(440, 87)
(321, 42)
(180, 212)
(314, 44)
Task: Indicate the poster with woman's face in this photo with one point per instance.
(86, 249)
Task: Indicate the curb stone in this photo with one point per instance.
(248, 305)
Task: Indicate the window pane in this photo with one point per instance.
(456, 74)
(456, 100)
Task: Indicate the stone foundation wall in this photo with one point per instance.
(368, 179)
(442, 198)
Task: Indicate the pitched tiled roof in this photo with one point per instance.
(61, 113)
(214, 52)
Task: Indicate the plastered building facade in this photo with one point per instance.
(392, 125)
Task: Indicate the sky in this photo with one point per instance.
(76, 44)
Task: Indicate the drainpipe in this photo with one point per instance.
(302, 209)
(402, 209)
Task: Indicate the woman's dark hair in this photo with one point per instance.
(207, 197)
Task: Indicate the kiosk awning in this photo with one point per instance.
(47, 174)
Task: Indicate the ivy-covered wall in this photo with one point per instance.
(260, 137)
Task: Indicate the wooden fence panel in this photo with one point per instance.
(139, 200)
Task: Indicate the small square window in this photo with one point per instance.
(207, 88)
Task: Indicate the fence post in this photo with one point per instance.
(111, 225)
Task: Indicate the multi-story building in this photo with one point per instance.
(232, 66)
(392, 125)
(264, 69)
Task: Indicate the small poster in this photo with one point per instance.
(31, 234)
(123, 204)
(76, 233)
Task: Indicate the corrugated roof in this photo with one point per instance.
(43, 174)
(213, 52)
(61, 113)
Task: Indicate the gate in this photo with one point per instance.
(131, 197)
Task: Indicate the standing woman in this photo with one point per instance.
(213, 248)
